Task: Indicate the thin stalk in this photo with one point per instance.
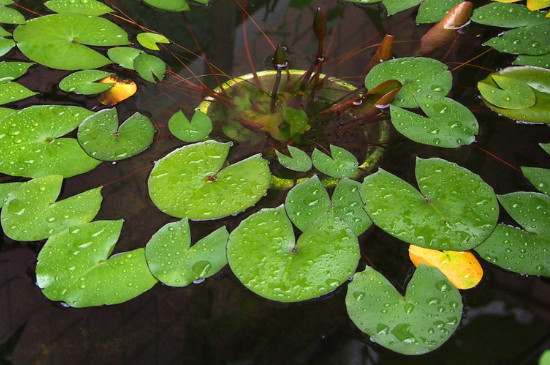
(280, 62)
(320, 30)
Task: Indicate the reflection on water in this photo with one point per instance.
(506, 318)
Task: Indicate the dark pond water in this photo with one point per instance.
(506, 318)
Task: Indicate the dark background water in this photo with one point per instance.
(506, 318)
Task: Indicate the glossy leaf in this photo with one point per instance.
(190, 182)
(150, 40)
(507, 15)
(530, 210)
(59, 40)
(348, 206)
(539, 177)
(12, 70)
(510, 93)
(6, 45)
(298, 160)
(342, 163)
(448, 123)
(149, 67)
(418, 76)
(460, 267)
(432, 11)
(263, 254)
(531, 40)
(5, 189)
(528, 60)
(102, 138)
(454, 210)
(74, 267)
(30, 214)
(88, 7)
(395, 6)
(11, 16)
(31, 146)
(170, 5)
(12, 91)
(121, 90)
(124, 56)
(84, 82)
(173, 261)
(190, 131)
(415, 324)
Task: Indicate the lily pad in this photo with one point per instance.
(173, 262)
(124, 56)
(510, 93)
(31, 147)
(415, 324)
(5, 189)
(342, 163)
(6, 45)
(505, 15)
(102, 138)
(298, 160)
(536, 78)
(528, 60)
(59, 40)
(84, 82)
(11, 16)
(88, 7)
(263, 254)
(170, 5)
(396, 6)
(190, 131)
(454, 210)
(12, 91)
(74, 267)
(150, 68)
(432, 11)
(150, 40)
(348, 206)
(12, 70)
(448, 123)
(418, 76)
(190, 182)
(30, 214)
(539, 177)
(531, 210)
(531, 40)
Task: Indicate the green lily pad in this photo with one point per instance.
(190, 131)
(454, 210)
(342, 163)
(263, 254)
(88, 7)
(297, 119)
(506, 15)
(5, 112)
(170, 5)
(531, 40)
(74, 267)
(298, 160)
(84, 82)
(102, 138)
(510, 93)
(173, 262)
(12, 91)
(545, 147)
(418, 76)
(396, 6)
(538, 79)
(190, 182)
(348, 206)
(5, 189)
(150, 68)
(59, 40)
(30, 145)
(528, 60)
(4, 33)
(12, 70)
(414, 324)
(449, 124)
(150, 40)
(124, 56)
(6, 45)
(432, 11)
(530, 210)
(539, 177)
(11, 16)
(30, 214)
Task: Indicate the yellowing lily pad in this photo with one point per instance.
(263, 254)
(190, 182)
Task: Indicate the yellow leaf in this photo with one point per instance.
(537, 4)
(461, 268)
(122, 89)
(507, 1)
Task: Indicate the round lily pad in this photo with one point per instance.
(298, 160)
(190, 131)
(150, 40)
(102, 138)
(190, 182)
(173, 261)
(454, 210)
(30, 145)
(30, 214)
(342, 163)
(263, 254)
(84, 82)
(530, 40)
(59, 40)
(418, 76)
(306, 202)
(87, 7)
(150, 68)
(74, 267)
(124, 56)
(414, 324)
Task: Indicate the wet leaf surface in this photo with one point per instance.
(170, 5)
(414, 324)
(297, 161)
(341, 163)
(6, 188)
(84, 82)
(432, 11)
(124, 56)
(173, 261)
(190, 131)
(530, 40)
(507, 15)
(263, 254)
(454, 210)
(150, 68)
(88, 7)
(30, 214)
(150, 40)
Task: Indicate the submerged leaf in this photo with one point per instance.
(190, 131)
(173, 261)
(190, 182)
(342, 163)
(415, 324)
(102, 138)
(263, 254)
(298, 160)
(30, 214)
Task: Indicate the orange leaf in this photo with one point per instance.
(121, 90)
(461, 268)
